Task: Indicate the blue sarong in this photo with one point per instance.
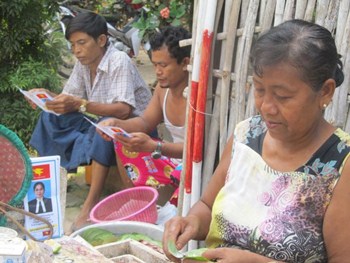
(73, 138)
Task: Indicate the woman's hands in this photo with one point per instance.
(231, 255)
(180, 230)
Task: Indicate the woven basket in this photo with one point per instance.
(15, 168)
(133, 204)
(15, 178)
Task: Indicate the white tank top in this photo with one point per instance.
(177, 132)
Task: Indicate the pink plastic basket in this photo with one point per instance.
(132, 204)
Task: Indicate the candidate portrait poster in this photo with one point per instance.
(43, 198)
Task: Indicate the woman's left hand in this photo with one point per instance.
(138, 142)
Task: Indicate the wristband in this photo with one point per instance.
(157, 153)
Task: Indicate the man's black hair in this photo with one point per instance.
(170, 37)
(87, 22)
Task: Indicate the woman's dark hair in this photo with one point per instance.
(170, 37)
(39, 183)
(87, 22)
(308, 47)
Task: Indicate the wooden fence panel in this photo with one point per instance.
(231, 92)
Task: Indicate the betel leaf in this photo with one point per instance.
(196, 254)
(173, 250)
(139, 237)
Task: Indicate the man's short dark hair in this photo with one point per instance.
(170, 37)
(87, 22)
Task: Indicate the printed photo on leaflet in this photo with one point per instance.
(43, 198)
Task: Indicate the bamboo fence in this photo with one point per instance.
(238, 23)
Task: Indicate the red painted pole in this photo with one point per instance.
(202, 97)
(190, 135)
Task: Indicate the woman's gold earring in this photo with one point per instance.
(324, 105)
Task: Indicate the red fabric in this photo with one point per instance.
(143, 170)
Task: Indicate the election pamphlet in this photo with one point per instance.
(110, 130)
(39, 98)
(43, 198)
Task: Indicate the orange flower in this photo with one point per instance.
(165, 13)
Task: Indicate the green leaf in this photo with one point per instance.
(196, 254)
(97, 236)
(174, 251)
(176, 22)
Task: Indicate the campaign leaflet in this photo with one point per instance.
(39, 98)
(43, 198)
(110, 130)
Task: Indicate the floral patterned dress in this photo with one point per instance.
(276, 214)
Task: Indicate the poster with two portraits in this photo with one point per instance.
(43, 198)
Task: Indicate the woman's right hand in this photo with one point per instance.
(179, 230)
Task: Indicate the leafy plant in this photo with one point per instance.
(29, 57)
(34, 74)
(18, 115)
(158, 14)
(21, 31)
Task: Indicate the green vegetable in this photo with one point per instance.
(140, 237)
(196, 254)
(56, 247)
(97, 236)
(173, 250)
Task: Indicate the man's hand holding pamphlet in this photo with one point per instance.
(110, 130)
(39, 98)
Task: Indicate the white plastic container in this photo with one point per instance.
(7, 233)
(12, 250)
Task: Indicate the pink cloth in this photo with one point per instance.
(143, 170)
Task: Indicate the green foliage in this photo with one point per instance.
(17, 114)
(93, 5)
(29, 58)
(34, 74)
(146, 25)
(21, 32)
(163, 13)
